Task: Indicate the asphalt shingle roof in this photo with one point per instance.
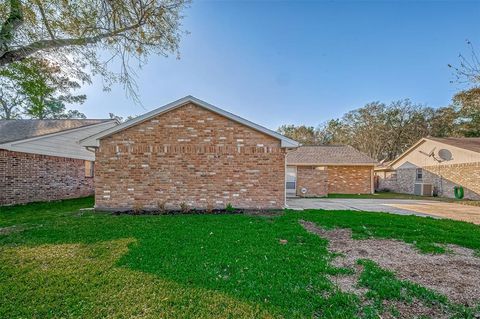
(328, 154)
(15, 130)
(468, 143)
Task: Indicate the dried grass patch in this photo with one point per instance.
(455, 274)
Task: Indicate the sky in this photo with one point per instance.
(304, 62)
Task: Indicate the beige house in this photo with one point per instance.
(315, 171)
(434, 166)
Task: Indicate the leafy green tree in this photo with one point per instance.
(41, 89)
(90, 33)
(468, 101)
(383, 131)
(10, 97)
(333, 132)
(306, 135)
(444, 121)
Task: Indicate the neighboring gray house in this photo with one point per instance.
(434, 166)
(42, 159)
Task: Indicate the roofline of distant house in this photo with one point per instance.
(28, 139)
(421, 141)
(93, 140)
(73, 129)
(331, 164)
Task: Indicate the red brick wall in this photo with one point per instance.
(314, 179)
(28, 178)
(193, 156)
(334, 180)
(350, 179)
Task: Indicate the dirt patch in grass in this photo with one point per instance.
(454, 274)
(348, 284)
(415, 309)
(10, 229)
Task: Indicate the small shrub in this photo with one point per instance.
(161, 206)
(210, 207)
(137, 208)
(229, 208)
(184, 207)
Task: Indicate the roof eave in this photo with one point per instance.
(331, 164)
(94, 140)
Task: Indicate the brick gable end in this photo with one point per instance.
(191, 156)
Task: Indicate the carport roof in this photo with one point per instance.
(328, 155)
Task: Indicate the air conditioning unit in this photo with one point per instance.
(423, 189)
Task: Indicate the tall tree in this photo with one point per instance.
(306, 135)
(444, 122)
(40, 89)
(333, 132)
(10, 97)
(383, 131)
(468, 101)
(91, 33)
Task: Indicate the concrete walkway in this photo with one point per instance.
(424, 208)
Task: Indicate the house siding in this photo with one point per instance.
(446, 177)
(443, 177)
(28, 178)
(189, 156)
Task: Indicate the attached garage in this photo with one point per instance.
(316, 171)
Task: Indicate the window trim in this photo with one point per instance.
(89, 171)
(419, 172)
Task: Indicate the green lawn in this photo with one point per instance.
(380, 195)
(59, 262)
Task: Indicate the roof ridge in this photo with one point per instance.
(94, 139)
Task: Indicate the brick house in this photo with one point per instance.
(315, 171)
(41, 160)
(189, 153)
(434, 166)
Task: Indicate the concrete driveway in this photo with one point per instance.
(424, 208)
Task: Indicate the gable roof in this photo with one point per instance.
(16, 130)
(328, 154)
(94, 139)
(467, 143)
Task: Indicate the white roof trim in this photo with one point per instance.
(94, 139)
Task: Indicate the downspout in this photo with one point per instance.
(284, 179)
(372, 182)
